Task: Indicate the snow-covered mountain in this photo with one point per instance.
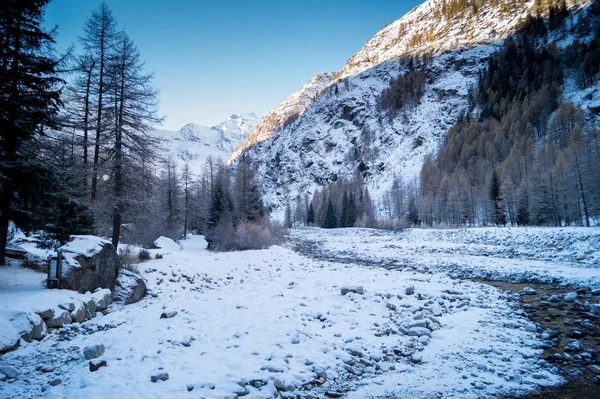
(286, 112)
(344, 131)
(193, 143)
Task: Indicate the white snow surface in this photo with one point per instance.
(167, 244)
(562, 256)
(274, 315)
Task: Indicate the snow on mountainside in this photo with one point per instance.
(287, 111)
(193, 143)
(344, 130)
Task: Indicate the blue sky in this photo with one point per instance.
(215, 58)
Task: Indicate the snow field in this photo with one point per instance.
(249, 323)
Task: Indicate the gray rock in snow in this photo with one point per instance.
(528, 291)
(130, 287)
(159, 377)
(570, 297)
(321, 373)
(2, 377)
(59, 319)
(168, 315)
(94, 351)
(10, 371)
(419, 331)
(69, 306)
(595, 308)
(55, 382)
(78, 313)
(410, 290)
(356, 290)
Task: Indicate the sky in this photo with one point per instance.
(215, 58)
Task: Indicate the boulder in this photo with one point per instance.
(159, 377)
(410, 290)
(60, 318)
(89, 263)
(570, 297)
(10, 371)
(29, 326)
(102, 298)
(78, 314)
(9, 339)
(90, 309)
(356, 290)
(93, 352)
(130, 287)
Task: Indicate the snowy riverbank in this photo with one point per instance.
(253, 323)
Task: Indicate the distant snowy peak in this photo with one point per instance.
(439, 26)
(193, 143)
(286, 112)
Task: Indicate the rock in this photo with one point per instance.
(416, 358)
(334, 394)
(2, 377)
(130, 287)
(354, 351)
(321, 373)
(410, 290)
(95, 365)
(93, 352)
(78, 314)
(102, 298)
(47, 368)
(96, 268)
(90, 309)
(418, 331)
(530, 327)
(595, 308)
(528, 291)
(10, 371)
(29, 326)
(168, 315)
(424, 340)
(69, 306)
(190, 387)
(356, 290)
(570, 297)
(9, 338)
(594, 368)
(391, 307)
(55, 382)
(45, 314)
(159, 377)
(60, 318)
(553, 298)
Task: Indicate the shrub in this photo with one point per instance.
(144, 254)
(158, 256)
(247, 235)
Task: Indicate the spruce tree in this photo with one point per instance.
(330, 221)
(29, 97)
(310, 218)
(498, 216)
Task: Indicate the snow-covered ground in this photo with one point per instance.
(561, 256)
(248, 323)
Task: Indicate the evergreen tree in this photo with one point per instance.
(330, 221)
(29, 98)
(498, 216)
(413, 212)
(310, 218)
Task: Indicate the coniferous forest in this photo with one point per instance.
(76, 127)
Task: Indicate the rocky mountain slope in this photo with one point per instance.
(286, 112)
(345, 131)
(193, 143)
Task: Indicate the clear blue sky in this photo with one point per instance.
(215, 58)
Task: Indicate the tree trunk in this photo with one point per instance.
(99, 120)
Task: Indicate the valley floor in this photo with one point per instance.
(260, 322)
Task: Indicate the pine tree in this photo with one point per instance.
(413, 212)
(498, 216)
(310, 217)
(29, 97)
(330, 221)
